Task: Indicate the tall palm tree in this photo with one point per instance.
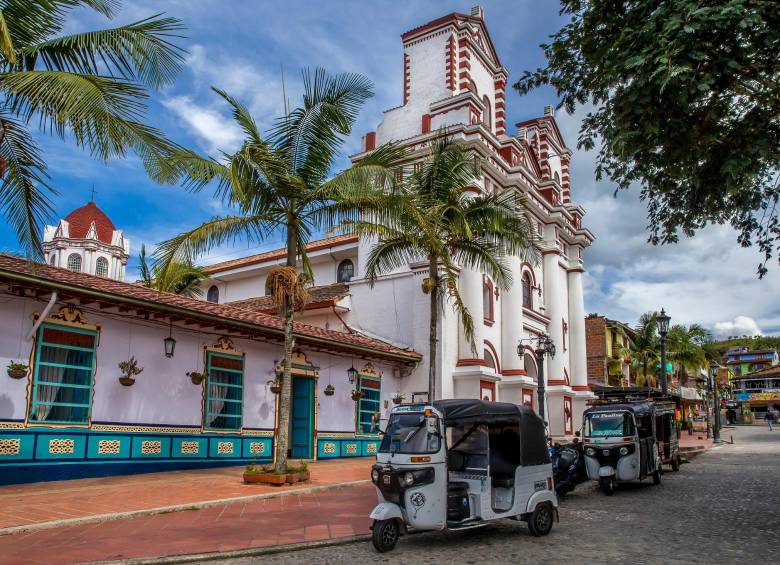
(431, 215)
(685, 345)
(179, 278)
(280, 184)
(89, 87)
(645, 348)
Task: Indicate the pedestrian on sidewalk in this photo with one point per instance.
(770, 416)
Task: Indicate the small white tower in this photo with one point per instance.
(86, 241)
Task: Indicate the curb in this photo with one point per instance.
(238, 553)
(67, 522)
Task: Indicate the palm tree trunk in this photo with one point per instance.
(283, 417)
(433, 274)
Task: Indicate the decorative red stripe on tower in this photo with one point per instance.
(450, 58)
(407, 77)
(500, 95)
(565, 185)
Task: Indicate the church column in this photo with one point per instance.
(553, 368)
(577, 355)
(512, 321)
(470, 287)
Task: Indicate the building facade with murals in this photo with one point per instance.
(453, 79)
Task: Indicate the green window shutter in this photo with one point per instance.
(64, 375)
(224, 391)
(368, 405)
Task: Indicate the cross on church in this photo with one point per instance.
(92, 195)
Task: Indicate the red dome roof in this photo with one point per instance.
(81, 218)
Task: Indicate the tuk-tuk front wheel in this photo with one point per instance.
(385, 535)
(657, 477)
(675, 464)
(540, 522)
(607, 485)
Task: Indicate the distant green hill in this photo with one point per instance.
(758, 342)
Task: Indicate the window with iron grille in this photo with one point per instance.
(101, 267)
(224, 391)
(74, 262)
(64, 375)
(368, 405)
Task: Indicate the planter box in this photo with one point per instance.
(265, 478)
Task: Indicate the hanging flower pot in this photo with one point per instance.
(196, 377)
(17, 370)
(357, 395)
(398, 398)
(129, 370)
(276, 387)
(329, 390)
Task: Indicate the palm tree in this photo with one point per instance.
(685, 345)
(432, 216)
(182, 278)
(280, 184)
(645, 348)
(89, 87)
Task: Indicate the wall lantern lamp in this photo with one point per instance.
(352, 375)
(169, 342)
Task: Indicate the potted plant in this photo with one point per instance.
(398, 398)
(129, 370)
(196, 377)
(276, 386)
(329, 390)
(299, 473)
(17, 370)
(357, 395)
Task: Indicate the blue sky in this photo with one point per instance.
(242, 47)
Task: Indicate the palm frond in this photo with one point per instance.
(140, 51)
(390, 254)
(449, 282)
(146, 274)
(242, 117)
(6, 43)
(25, 193)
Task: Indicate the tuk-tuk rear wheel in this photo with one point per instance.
(385, 535)
(540, 522)
(607, 485)
(657, 477)
(675, 464)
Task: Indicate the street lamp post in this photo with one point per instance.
(663, 327)
(716, 401)
(544, 346)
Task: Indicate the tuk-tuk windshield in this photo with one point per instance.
(609, 424)
(409, 433)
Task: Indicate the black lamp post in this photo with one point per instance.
(544, 346)
(663, 327)
(716, 401)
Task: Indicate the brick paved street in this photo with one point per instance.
(722, 508)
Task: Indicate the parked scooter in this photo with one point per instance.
(568, 464)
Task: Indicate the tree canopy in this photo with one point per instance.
(683, 99)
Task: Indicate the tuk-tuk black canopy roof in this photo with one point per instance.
(638, 408)
(462, 409)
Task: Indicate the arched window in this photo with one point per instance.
(487, 300)
(213, 294)
(529, 364)
(489, 359)
(74, 262)
(53, 259)
(557, 177)
(101, 267)
(345, 271)
(527, 298)
(487, 116)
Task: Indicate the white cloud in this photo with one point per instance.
(741, 325)
(215, 132)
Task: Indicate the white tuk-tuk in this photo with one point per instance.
(459, 464)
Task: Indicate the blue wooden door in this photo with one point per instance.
(302, 422)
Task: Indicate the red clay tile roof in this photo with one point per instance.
(20, 272)
(81, 218)
(319, 297)
(279, 253)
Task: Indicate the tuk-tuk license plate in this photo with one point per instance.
(605, 451)
(386, 479)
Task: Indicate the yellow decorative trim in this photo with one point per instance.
(11, 425)
(257, 447)
(62, 446)
(300, 366)
(225, 448)
(144, 429)
(334, 435)
(329, 448)
(225, 345)
(151, 447)
(190, 447)
(258, 433)
(369, 371)
(108, 447)
(69, 316)
(10, 446)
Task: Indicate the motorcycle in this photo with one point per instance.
(568, 466)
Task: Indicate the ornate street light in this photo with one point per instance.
(169, 342)
(544, 346)
(663, 327)
(716, 401)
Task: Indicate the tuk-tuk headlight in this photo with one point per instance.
(590, 452)
(409, 478)
(375, 475)
(623, 451)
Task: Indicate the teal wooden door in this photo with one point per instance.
(302, 421)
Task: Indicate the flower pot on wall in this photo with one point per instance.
(357, 395)
(127, 381)
(329, 390)
(197, 378)
(17, 373)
